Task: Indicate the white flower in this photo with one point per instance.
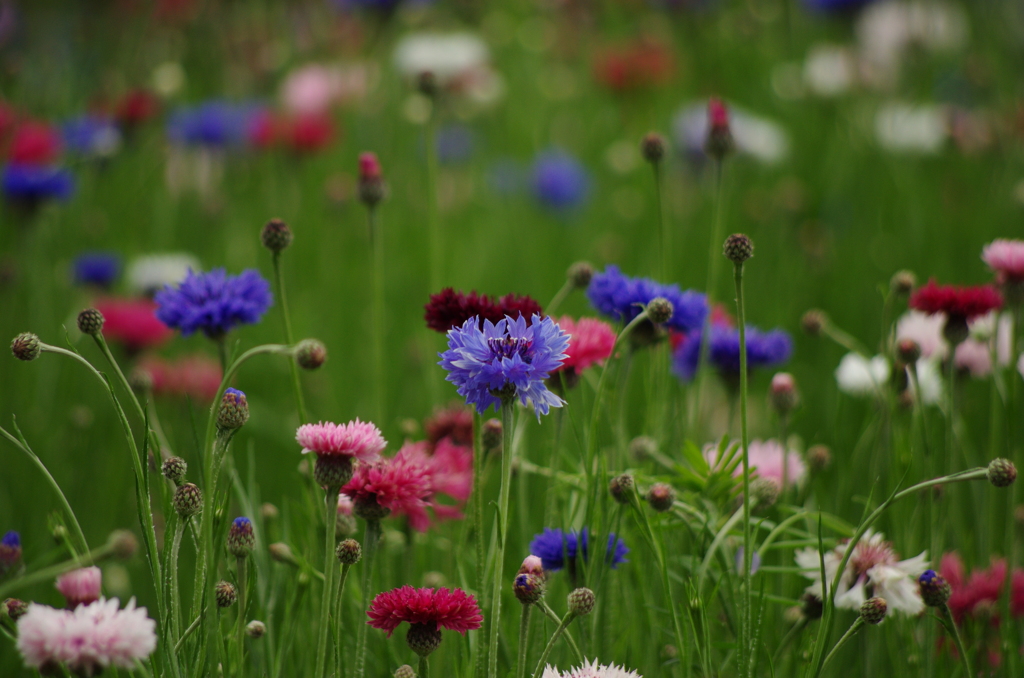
(874, 569)
(930, 377)
(591, 669)
(150, 273)
(903, 128)
(886, 31)
(446, 57)
(759, 137)
(925, 330)
(829, 70)
(973, 355)
(859, 376)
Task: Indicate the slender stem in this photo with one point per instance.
(854, 628)
(524, 638)
(289, 337)
(331, 524)
(663, 246)
(370, 543)
(947, 621)
(566, 620)
(550, 614)
(380, 381)
(951, 414)
(222, 352)
(747, 552)
(433, 216)
(242, 564)
(559, 297)
(179, 530)
(424, 670)
(478, 525)
(337, 620)
(507, 412)
(714, 258)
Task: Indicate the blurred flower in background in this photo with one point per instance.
(96, 268)
(757, 137)
(458, 62)
(91, 136)
(559, 180)
(644, 63)
(195, 376)
(152, 272)
(132, 323)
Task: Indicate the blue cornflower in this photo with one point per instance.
(214, 302)
(559, 180)
(10, 551)
(96, 268)
(455, 144)
(554, 547)
(836, 6)
(617, 296)
(764, 349)
(34, 183)
(91, 135)
(505, 359)
(214, 123)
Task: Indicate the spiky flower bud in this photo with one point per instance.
(90, 321)
(405, 671)
(580, 274)
(492, 434)
(188, 500)
(241, 540)
(282, 553)
(255, 629)
(234, 410)
(935, 590)
(349, 552)
(660, 310)
(528, 588)
(873, 610)
(956, 330)
(423, 638)
(26, 346)
(908, 351)
(812, 606)
(269, 511)
(719, 142)
(902, 283)
(141, 380)
(818, 458)
(643, 447)
(738, 248)
(764, 491)
(814, 322)
(310, 354)
(581, 602)
(174, 469)
(1002, 472)
(368, 509)
(621, 487)
(276, 235)
(783, 394)
(661, 497)
(652, 147)
(371, 187)
(14, 608)
(332, 471)
(226, 594)
(122, 544)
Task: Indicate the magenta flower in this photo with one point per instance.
(81, 586)
(590, 342)
(399, 485)
(453, 609)
(356, 440)
(1006, 258)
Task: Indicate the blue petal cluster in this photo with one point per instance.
(554, 547)
(96, 268)
(214, 123)
(836, 6)
(11, 539)
(214, 302)
(33, 183)
(91, 135)
(559, 180)
(617, 296)
(509, 353)
(764, 349)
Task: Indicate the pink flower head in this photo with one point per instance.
(974, 596)
(369, 167)
(766, 459)
(1017, 593)
(975, 357)
(925, 330)
(450, 471)
(309, 132)
(453, 609)
(312, 89)
(454, 422)
(591, 341)
(34, 143)
(718, 114)
(532, 565)
(87, 639)
(81, 586)
(964, 302)
(1006, 258)
(194, 376)
(356, 439)
(133, 323)
(401, 484)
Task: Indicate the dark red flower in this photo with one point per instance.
(133, 323)
(448, 308)
(954, 301)
(980, 592)
(195, 376)
(642, 64)
(1017, 593)
(137, 107)
(452, 609)
(309, 133)
(454, 422)
(34, 143)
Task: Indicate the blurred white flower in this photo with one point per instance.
(753, 135)
(168, 78)
(830, 70)
(448, 57)
(973, 355)
(150, 273)
(929, 376)
(885, 31)
(859, 376)
(904, 128)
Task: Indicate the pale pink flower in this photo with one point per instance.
(590, 342)
(591, 669)
(975, 357)
(87, 639)
(356, 439)
(344, 505)
(766, 461)
(532, 565)
(925, 330)
(81, 586)
(1006, 258)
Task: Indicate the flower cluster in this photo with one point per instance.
(505, 360)
(620, 297)
(214, 302)
(556, 548)
(448, 308)
(452, 609)
(961, 302)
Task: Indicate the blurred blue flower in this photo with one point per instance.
(96, 268)
(214, 302)
(91, 135)
(555, 547)
(32, 183)
(10, 551)
(835, 6)
(455, 144)
(507, 357)
(214, 123)
(764, 349)
(617, 295)
(559, 180)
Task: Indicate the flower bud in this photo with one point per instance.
(332, 471)
(405, 671)
(349, 552)
(873, 610)
(935, 590)
(234, 410)
(818, 458)
(188, 500)
(783, 393)
(226, 594)
(255, 629)
(621, 487)
(908, 351)
(1002, 472)
(26, 346)
(174, 469)
(814, 322)
(371, 180)
(660, 310)
(14, 608)
(276, 236)
(532, 565)
(90, 321)
(738, 248)
(764, 491)
(269, 511)
(492, 434)
(122, 544)
(719, 142)
(423, 638)
(661, 497)
(902, 283)
(282, 553)
(528, 588)
(956, 330)
(310, 354)
(241, 540)
(81, 587)
(652, 147)
(581, 602)
(643, 447)
(812, 606)
(10, 552)
(580, 274)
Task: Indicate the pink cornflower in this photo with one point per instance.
(1006, 258)
(978, 595)
(400, 485)
(590, 342)
(453, 609)
(356, 440)
(454, 422)
(449, 471)
(81, 586)
(133, 323)
(766, 461)
(34, 143)
(345, 505)
(87, 639)
(194, 376)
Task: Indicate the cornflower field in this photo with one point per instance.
(548, 339)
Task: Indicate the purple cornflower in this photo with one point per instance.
(506, 359)
(31, 184)
(214, 123)
(618, 296)
(764, 349)
(96, 268)
(555, 547)
(91, 135)
(559, 180)
(214, 302)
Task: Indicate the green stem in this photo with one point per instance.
(380, 382)
(289, 337)
(524, 638)
(566, 620)
(337, 620)
(242, 564)
(478, 524)
(179, 530)
(550, 614)
(947, 621)
(747, 625)
(714, 257)
(331, 524)
(559, 297)
(850, 633)
(507, 412)
(424, 670)
(663, 244)
(370, 544)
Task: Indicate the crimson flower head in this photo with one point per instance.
(309, 133)
(34, 143)
(398, 485)
(369, 166)
(448, 308)
(454, 422)
(956, 302)
(133, 323)
(452, 609)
